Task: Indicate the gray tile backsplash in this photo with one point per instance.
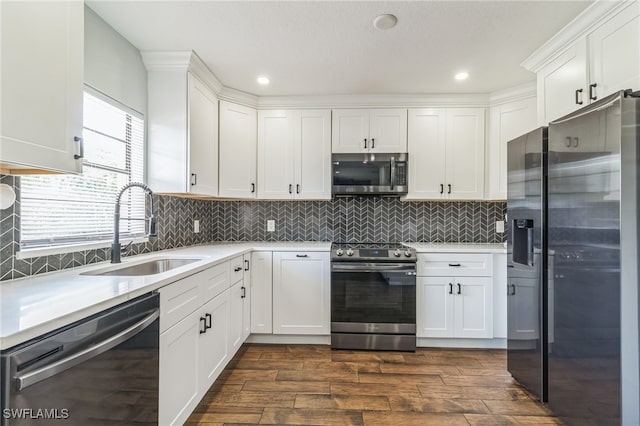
(342, 219)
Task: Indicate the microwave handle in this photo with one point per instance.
(393, 172)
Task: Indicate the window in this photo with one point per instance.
(65, 209)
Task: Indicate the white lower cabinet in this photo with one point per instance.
(202, 324)
(301, 293)
(214, 344)
(454, 295)
(179, 371)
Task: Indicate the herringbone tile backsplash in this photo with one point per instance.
(341, 220)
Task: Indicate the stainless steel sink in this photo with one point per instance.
(152, 267)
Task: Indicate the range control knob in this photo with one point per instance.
(407, 253)
(339, 252)
(349, 252)
(397, 253)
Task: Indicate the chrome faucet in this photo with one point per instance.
(116, 248)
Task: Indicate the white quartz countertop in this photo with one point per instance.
(32, 306)
(458, 247)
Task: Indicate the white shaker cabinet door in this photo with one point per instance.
(275, 155)
(301, 293)
(203, 139)
(42, 57)
(213, 345)
(236, 305)
(238, 148)
(614, 54)
(465, 154)
(562, 84)
(350, 131)
(474, 307)
(179, 372)
(427, 149)
(312, 137)
(388, 130)
(435, 307)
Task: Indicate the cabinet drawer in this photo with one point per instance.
(454, 264)
(179, 299)
(214, 281)
(236, 269)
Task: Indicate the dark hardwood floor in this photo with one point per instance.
(313, 385)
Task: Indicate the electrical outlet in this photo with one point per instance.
(500, 227)
(196, 226)
(271, 225)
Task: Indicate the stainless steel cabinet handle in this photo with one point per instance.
(246, 265)
(208, 316)
(237, 269)
(47, 371)
(592, 92)
(450, 288)
(579, 97)
(459, 289)
(81, 142)
(194, 179)
(203, 324)
(302, 255)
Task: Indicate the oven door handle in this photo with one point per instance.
(410, 268)
(25, 380)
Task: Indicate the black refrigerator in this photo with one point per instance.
(572, 214)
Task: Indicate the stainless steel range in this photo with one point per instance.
(373, 297)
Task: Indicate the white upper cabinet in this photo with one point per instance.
(42, 57)
(614, 50)
(238, 148)
(182, 143)
(446, 153)
(506, 121)
(603, 58)
(369, 130)
(294, 154)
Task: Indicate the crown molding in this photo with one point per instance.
(374, 101)
(183, 61)
(581, 25)
(513, 94)
(238, 97)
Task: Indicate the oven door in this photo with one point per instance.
(373, 297)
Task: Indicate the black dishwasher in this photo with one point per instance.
(102, 370)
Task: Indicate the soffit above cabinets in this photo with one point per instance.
(332, 48)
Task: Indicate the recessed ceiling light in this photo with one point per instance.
(463, 75)
(263, 80)
(384, 22)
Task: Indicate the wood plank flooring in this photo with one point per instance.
(313, 385)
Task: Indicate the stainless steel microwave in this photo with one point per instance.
(369, 174)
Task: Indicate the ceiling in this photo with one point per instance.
(327, 48)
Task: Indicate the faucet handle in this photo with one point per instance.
(152, 227)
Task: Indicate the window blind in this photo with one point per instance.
(65, 209)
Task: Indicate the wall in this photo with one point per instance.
(112, 64)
